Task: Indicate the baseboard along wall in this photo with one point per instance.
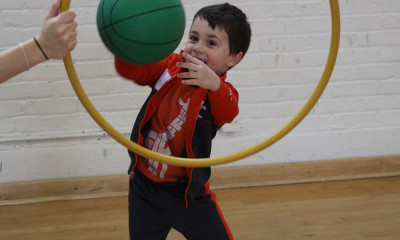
(222, 178)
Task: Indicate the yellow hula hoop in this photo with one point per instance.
(204, 162)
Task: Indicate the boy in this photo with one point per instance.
(189, 102)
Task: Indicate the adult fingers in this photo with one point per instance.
(54, 10)
(67, 17)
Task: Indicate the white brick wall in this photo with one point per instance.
(45, 132)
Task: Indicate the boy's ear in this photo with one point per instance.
(234, 59)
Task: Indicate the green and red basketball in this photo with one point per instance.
(141, 31)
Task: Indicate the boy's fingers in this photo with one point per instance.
(186, 75)
(189, 82)
(191, 59)
(187, 65)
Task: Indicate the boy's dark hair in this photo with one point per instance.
(232, 20)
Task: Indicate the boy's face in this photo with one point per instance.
(210, 46)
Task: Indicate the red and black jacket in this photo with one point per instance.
(207, 112)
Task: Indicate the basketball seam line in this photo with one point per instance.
(131, 40)
(139, 14)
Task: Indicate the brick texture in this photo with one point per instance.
(46, 133)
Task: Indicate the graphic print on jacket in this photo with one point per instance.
(167, 134)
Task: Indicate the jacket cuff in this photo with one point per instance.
(222, 92)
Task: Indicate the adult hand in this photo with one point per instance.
(58, 35)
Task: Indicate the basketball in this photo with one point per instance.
(141, 31)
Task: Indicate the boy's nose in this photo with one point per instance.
(198, 48)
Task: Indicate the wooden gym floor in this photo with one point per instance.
(337, 210)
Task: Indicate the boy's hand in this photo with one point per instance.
(198, 74)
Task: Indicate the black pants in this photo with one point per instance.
(155, 208)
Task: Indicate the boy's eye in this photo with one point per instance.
(212, 43)
(194, 38)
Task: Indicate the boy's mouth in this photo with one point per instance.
(200, 60)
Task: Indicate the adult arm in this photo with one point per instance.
(57, 38)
